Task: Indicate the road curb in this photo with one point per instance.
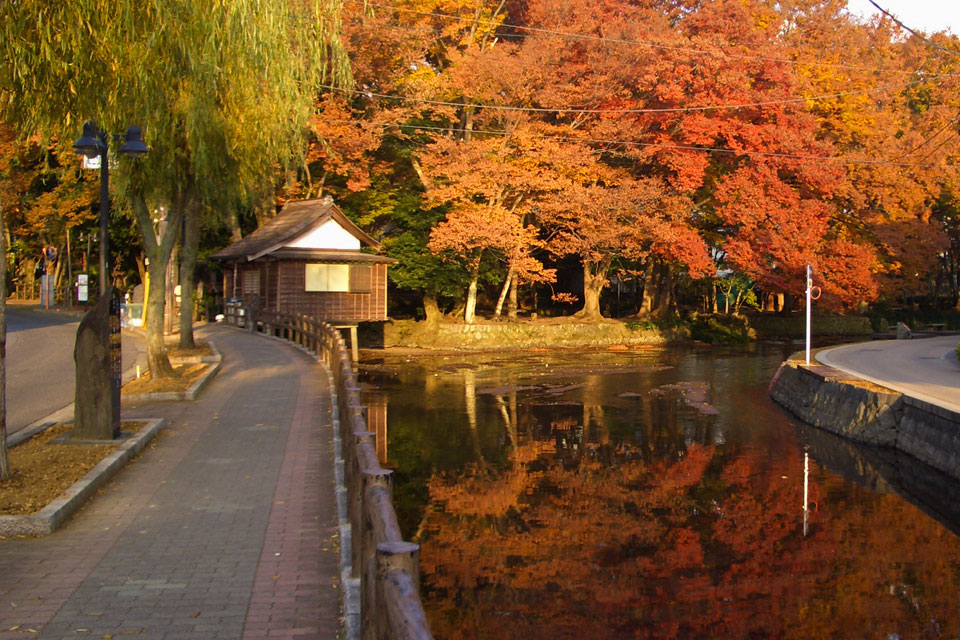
(52, 516)
(165, 396)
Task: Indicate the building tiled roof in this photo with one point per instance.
(293, 220)
(329, 255)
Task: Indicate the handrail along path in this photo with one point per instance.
(385, 565)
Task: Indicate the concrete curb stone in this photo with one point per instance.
(52, 516)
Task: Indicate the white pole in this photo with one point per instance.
(809, 300)
(806, 479)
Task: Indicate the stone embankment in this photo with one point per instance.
(864, 412)
(524, 335)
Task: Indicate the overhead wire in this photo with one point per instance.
(572, 110)
(675, 147)
(650, 43)
(916, 34)
(929, 138)
(658, 45)
(937, 148)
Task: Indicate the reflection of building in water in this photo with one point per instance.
(377, 421)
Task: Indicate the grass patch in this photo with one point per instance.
(671, 322)
(42, 470)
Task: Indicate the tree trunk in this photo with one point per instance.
(4, 458)
(188, 263)
(431, 308)
(594, 280)
(469, 313)
(157, 361)
(647, 299)
(58, 277)
(512, 300)
(466, 122)
(503, 294)
(787, 305)
(233, 222)
(159, 256)
(666, 299)
(658, 298)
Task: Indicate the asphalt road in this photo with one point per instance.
(925, 368)
(40, 367)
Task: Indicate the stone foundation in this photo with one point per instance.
(864, 412)
(524, 335)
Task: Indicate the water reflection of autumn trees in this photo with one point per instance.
(561, 498)
(708, 545)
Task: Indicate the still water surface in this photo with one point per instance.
(654, 493)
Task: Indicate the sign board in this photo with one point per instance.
(83, 293)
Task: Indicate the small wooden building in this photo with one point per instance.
(308, 260)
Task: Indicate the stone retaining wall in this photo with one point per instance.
(523, 335)
(850, 407)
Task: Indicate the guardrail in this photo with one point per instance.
(386, 566)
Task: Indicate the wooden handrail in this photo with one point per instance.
(387, 566)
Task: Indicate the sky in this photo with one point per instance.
(921, 15)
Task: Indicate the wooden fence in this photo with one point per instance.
(386, 565)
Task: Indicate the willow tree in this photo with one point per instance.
(222, 90)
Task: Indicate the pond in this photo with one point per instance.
(653, 493)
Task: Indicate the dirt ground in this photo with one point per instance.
(202, 349)
(42, 470)
(187, 374)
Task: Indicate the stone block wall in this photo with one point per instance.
(849, 407)
(523, 335)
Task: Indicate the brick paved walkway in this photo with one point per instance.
(225, 528)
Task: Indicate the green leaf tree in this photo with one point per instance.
(223, 92)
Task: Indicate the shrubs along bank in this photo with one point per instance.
(773, 326)
(570, 332)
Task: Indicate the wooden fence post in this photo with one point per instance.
(373, 480)
(400, 614)
(355, 481)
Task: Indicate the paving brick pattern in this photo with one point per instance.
(224, 529)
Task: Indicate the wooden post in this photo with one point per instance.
(355, 481)
(374, 480)
(399, 612)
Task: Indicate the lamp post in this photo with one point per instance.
(97, 349)
(93, 144)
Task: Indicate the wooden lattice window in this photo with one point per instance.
(361, 278)
(251, 282)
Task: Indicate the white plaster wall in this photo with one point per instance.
(328, 235)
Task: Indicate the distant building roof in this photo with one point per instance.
(329, 255)
(294, 220)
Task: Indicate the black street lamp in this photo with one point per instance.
(93, 143)
(97, 350)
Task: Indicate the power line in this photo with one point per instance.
(768, 103)
(929, 139)
(905, 27)
(937, 148)
(649, 43)
(767, 154)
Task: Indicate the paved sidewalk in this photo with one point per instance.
(225, 528)
(925, 368)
